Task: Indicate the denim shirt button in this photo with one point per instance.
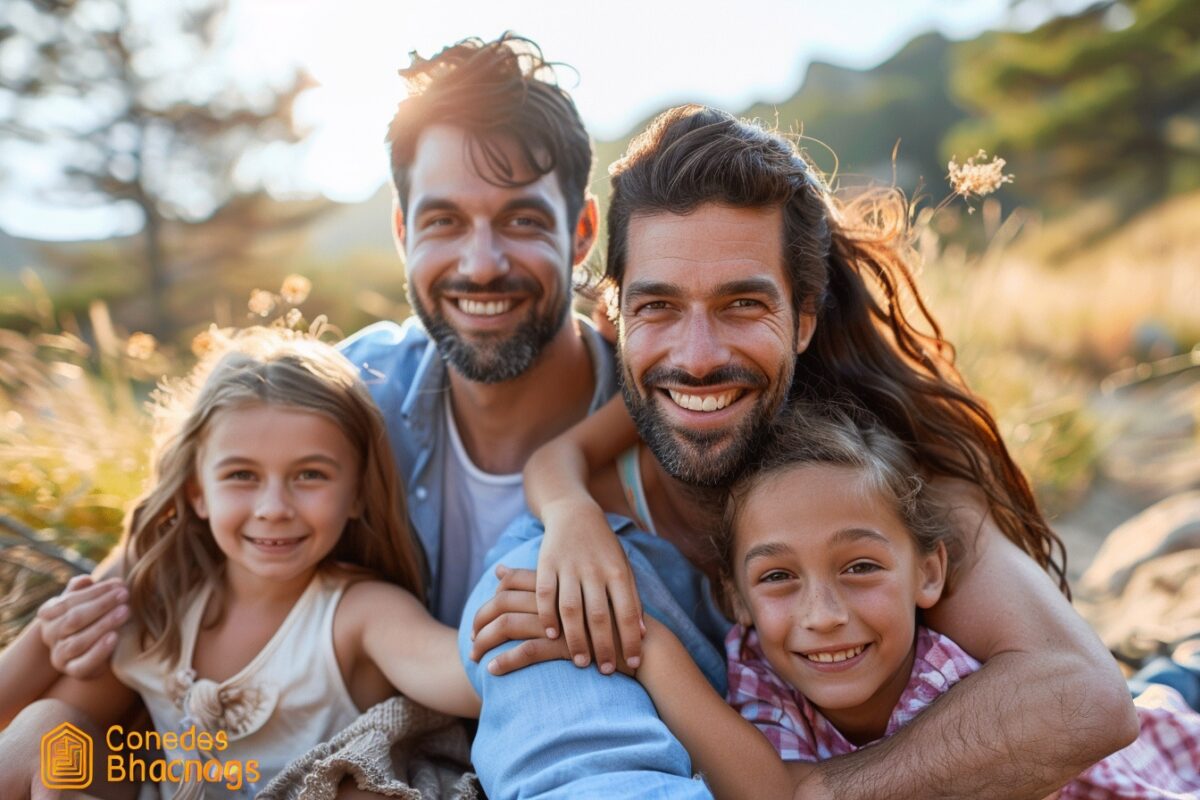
(420, 493)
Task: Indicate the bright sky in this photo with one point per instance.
(633, 58)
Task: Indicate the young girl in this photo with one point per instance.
(831, 548)
(273, 582)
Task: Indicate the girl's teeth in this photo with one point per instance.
(695, 402)
(481, 309)
(833, 658)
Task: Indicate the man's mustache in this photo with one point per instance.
(505, 284)
(673, 376)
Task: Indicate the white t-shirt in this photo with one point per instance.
(478, 507)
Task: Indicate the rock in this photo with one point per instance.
(1169, 526)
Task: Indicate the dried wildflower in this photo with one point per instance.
(976, 176)
(140, 346)
(204, 342)
(295, 289)
(294, 318)
(261, 302)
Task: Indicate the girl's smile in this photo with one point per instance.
(277, 485)
(830, 577)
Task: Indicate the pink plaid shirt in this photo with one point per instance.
(1163, 764)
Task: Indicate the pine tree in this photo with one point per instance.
(1106, 101)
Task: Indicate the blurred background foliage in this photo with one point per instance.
(1082, 269)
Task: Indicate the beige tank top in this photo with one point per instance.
(290, 696)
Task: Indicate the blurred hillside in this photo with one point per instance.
(898, 123)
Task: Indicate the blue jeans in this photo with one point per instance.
(554, 730)
(1183, 677)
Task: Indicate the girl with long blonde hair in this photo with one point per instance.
(275, 590)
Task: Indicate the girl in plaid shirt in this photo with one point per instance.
(832, 547)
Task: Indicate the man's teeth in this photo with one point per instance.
(707, 402)
(833, 658)
(488, 309)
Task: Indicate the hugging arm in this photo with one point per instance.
(582, 568)
(417, 654)
(724, 746)
(74, 633)
(1048, 702)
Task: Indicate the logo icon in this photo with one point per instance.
(66, 758)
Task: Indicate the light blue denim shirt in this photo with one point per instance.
(406, 375)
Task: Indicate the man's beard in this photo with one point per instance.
(497, 357)
(708, 459)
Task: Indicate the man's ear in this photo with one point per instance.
(931, 577)
(195, 498)
(806, 326)
(586, 229)
(398, 230)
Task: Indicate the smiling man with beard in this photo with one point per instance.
(490, 165)
(743, 283)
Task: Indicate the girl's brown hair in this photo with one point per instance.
(844, 436)
(849, 264)
(170, 552)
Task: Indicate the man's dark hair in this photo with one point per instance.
(692, 155)
(848, 263)
(495, 91)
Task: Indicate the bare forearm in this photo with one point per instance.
(25, 672)
(726, 748)
(555, 472)
(561, 468)
(1012, 730)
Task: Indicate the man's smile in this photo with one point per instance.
(704, 401)
(480, 308)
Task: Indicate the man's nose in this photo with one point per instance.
(274, 502)
(699, 347)
(483, 259)
(824, 611)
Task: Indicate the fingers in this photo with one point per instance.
(506, 628)
(574, 627)
(547, 601)
(85, 599)
(93, 659)
(522, 579)
(627, 613)
(599, 622)
(61, 603)
(533, 651)
(80, 625)
(503, 602)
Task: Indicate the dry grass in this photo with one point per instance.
(1035, 335)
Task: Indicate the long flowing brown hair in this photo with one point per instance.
(170, 552)
(849, 263)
